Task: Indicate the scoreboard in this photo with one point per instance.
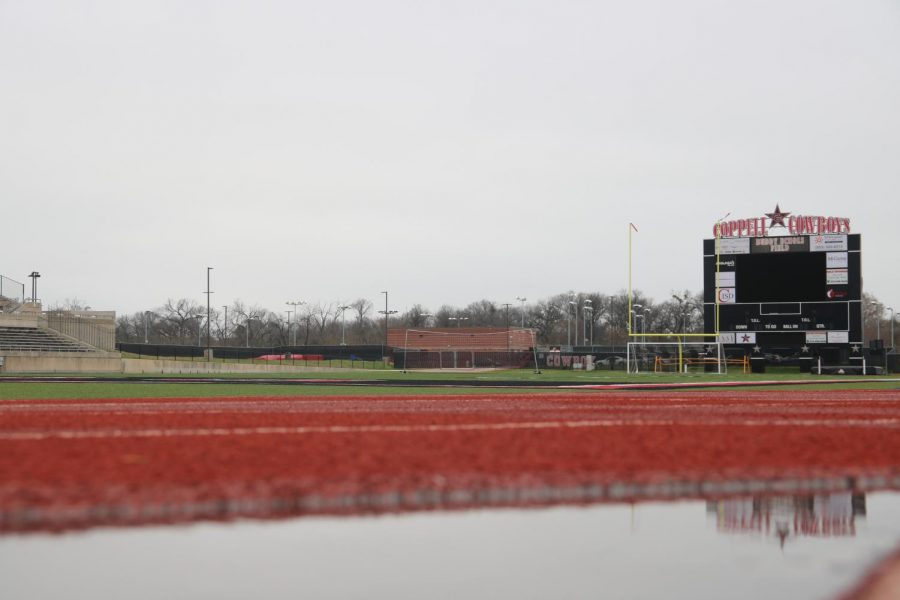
(784, 293)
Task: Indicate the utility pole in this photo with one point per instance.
(386, 314)
(208, 352)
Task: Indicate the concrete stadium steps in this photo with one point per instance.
(32, 339)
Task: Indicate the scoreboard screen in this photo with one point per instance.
(775, 278)
(807, 289)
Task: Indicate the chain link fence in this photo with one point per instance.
(359, 357)
(12, 292)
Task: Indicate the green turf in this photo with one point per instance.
(58, 390)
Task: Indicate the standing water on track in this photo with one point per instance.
(800, 546)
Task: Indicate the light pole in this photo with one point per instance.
(146, 327)
(386, 314)
(295, 304)
(343, 309)
(574, 303)
(34, 277)
(200, 330)
(641, 317)
(522, 300)
(632, 321)
(289, 312)
(644, 326)
(507, 305)
(877, 320)
(247, 327)
(225, 327)
(208, 353)
(588, 307)
(892, 328)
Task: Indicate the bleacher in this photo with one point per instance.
(32, 339)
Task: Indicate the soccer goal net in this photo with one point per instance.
(677, 357)
(464, 349)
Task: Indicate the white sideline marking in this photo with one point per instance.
(69, 434)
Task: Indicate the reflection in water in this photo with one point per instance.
(814, 515)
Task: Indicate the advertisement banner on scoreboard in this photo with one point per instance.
(726, 338)
(727, 295)
(828, 243)
(734, 246)
(836, 277)
(838, 337)
(816, 337)
(836, 260)
(725, 279)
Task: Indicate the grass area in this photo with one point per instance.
(187, 387)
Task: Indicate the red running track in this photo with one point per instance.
(82, 463)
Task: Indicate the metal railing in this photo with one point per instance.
(80, 328)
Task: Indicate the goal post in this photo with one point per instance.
(676, 357)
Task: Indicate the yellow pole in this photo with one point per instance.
(628, 316)
(718, 237)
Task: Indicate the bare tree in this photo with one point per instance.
(178, 318)
(415, 316)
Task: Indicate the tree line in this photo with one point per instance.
(568, 318)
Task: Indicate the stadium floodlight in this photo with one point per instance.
(522, 299)
(458, 320)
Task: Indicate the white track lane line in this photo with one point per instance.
(70, 434)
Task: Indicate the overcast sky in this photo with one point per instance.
(444, 151)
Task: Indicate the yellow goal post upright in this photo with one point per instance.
(641, 353)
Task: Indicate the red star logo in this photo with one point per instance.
(745, 338)
(777, 217)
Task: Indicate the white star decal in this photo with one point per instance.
(855, 349)
(804, 348)
(756, 348)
